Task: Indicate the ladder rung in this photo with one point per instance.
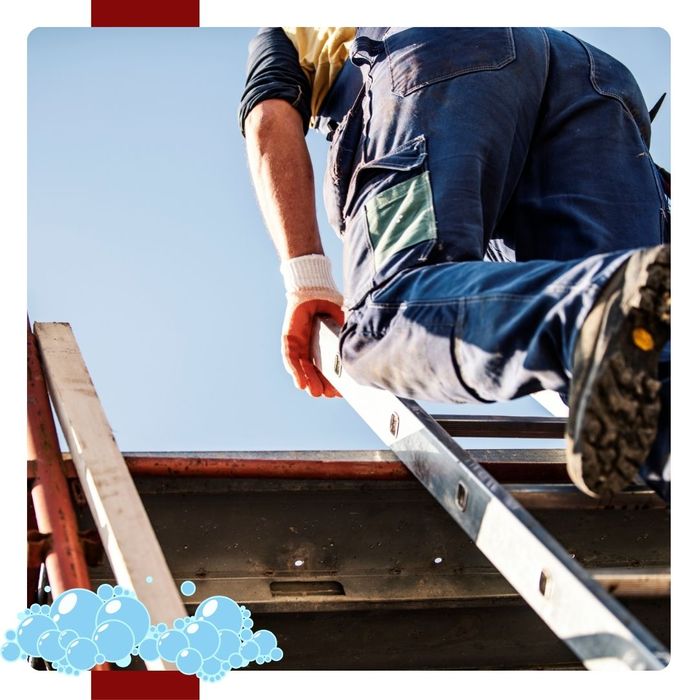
(506, 465)
(360, 591)
(516, 467)
(502, 426)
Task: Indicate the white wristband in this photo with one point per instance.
(307, 271)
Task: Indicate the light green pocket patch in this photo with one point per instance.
(400, 217)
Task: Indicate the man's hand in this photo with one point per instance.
(311, 292)
(296, 341)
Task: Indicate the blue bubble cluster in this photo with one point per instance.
(216, 639)
(82, 629)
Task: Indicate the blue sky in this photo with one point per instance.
(144, 234)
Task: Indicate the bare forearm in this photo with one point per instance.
(282, 175)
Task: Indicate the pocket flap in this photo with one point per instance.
(410, 155)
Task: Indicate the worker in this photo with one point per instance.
(501, 216)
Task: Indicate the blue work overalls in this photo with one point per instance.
(487, 183)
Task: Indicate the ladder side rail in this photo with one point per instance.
(65, 563)
(120, 517)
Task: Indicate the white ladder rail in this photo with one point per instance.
(120, 517)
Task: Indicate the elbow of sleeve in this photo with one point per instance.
(274, 73)
(292, 95)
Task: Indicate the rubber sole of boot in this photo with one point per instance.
(613, 420)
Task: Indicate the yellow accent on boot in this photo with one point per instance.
(643, 339)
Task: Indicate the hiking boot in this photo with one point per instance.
(615, 401)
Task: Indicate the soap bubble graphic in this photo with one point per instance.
(76, 609)
(82, 629)
(266, 641)
(222, 612)
(203, 637)
(229, 643)
(237, 661)
(189, 661)
(129, 611)
(66, 637)
(10, 651)
(250, 651)
(105, 591)
(29, 631)
(211, 666)
(148, 649)
(114, 640)
(212, 669)
(170, 644)
(49, 646)
(188, 588)
(81, 653)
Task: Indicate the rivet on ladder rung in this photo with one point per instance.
(461, 496)
(545, 583)
(394, 424)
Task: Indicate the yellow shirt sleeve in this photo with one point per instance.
(322, 53)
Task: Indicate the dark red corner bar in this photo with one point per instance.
(145, 13)
(144, 685)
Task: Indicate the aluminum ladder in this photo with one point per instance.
(595, 626)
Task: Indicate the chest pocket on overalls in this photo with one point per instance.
(420, 56)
